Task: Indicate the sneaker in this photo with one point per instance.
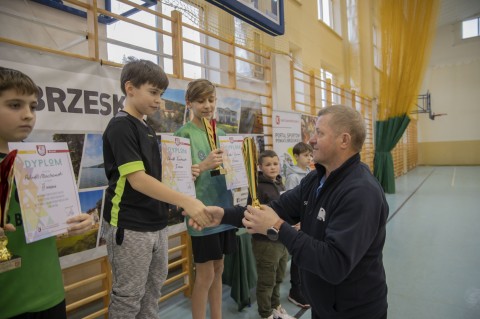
(296, 297)
(281, 313)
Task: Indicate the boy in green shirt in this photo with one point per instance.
(210, 244)
(35, 290)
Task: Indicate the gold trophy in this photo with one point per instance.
(211, 129)
(249, 151)
(7, 260)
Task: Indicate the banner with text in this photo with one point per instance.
(286, 129)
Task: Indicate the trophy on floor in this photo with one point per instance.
(211, 129)
(7, 260)
(249, 151)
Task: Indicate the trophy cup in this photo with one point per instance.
(211, 129)
(7, 260)
(249, 152)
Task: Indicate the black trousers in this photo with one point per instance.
(57, 312)
(294, 276)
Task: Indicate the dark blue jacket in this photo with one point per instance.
(339, 247)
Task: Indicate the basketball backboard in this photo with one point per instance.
(266, 15)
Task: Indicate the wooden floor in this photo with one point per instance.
(431, 255)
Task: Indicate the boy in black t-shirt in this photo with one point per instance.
(136, 203)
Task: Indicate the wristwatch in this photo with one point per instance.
(272, 232)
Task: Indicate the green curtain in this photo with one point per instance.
(387, 134)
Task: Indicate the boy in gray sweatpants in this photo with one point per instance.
(136, 201)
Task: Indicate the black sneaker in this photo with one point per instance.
(296, 297)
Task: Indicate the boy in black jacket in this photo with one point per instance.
(271, 256)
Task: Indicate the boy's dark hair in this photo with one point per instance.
(140, 72)
(199, 89)
(20, 82)
(301, 148)
(266, 153)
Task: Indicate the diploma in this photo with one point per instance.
(46, 187)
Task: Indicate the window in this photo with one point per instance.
(335, 91)
(257, 42)
(244, 35)
(301, 82)
(325, 12)
(126, 39)
(302, 91)
(193, 55)
(471, 28)
(241, 34)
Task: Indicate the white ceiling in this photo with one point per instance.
(452, 11)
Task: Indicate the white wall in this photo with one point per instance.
(453, 79)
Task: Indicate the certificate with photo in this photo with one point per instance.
(46, 188)
(177, 164)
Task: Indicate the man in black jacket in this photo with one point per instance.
(343, 212)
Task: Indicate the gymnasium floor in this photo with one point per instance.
(431, 255)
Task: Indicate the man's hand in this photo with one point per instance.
(79, 224)
(197, 211)
(259, 220)
(195, 171)
(216, 215)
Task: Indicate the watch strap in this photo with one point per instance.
(278, 224)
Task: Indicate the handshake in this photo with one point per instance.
(209, 217)
(255, 220)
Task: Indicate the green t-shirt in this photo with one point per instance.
(212, 191)
(37, 285)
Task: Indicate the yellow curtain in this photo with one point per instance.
(407, 30)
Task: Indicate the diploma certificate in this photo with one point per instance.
(46, 188)
(177, 164)
(236, 175)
